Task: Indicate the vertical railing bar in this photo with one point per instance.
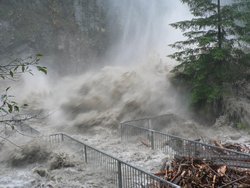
(152, 139)
(126, 175)
(131, 176)
(85, 154)
(116, 174)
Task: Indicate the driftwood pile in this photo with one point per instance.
(232, 146)
(195, 172)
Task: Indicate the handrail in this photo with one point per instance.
(193, 141)
(121, 165)
(184, 147)
(145, 118)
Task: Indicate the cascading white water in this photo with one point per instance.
(143, 28)
(134, 83)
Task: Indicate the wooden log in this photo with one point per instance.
(230, 183)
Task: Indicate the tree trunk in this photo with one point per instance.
(219, 24)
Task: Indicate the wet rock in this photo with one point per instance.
(41, 172)
(60, 160)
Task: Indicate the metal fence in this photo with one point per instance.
(25, 128)
(155, 122)
(182, 147)
(123, 174)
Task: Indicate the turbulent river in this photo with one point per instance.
(89, 107)
(134, 83)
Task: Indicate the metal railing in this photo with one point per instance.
(182, 147)
(25, 128)
(154, 122)
(123, 174)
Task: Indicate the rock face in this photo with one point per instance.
(65, 31)
(75, 35)
(237, 106)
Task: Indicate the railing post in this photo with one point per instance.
(62, 137)
(119, 174)
(195, 150)
(85, 154)
(121, 129)
(152, 139)
(149, 124)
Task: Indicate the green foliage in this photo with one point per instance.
(241, 126)
(8, 106)
(15, 68)
(12, 71)
(42, 69)
(242, 26)
(212, 54)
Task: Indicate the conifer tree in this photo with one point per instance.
(212, 55)
(242, 8)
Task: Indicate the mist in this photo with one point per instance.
(144, 29)
(107, 63)
(130, 80)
